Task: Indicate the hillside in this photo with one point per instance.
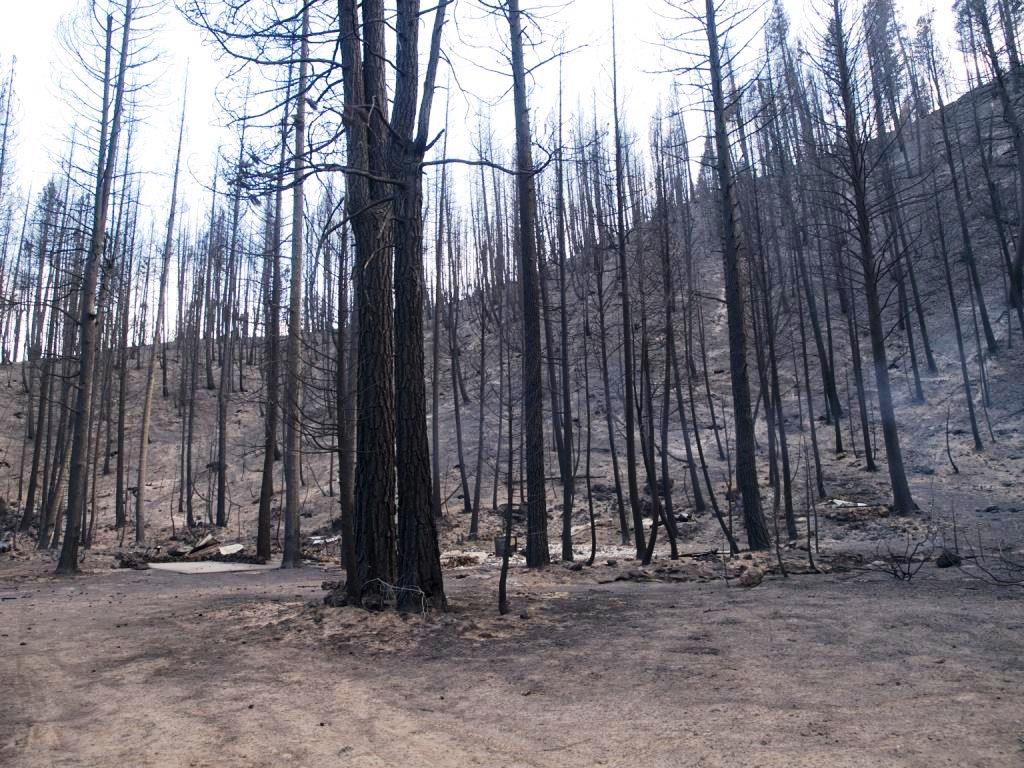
(985, 479)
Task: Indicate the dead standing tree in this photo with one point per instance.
(114, 87)
(537, 554)
(384, 185)
(840, 69)
(292, 551)
(629, 361)
(419, 561)
(276, 41)
(158, 330)
(715, 65)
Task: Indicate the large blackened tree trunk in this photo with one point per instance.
(374, 512)
(746, 468)
(533, 394)
(419, 556)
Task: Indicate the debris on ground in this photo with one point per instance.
(319, 541)
(207, 548)
(201, 548)
(947, 559)
(460, 560)
(844, 511)
(995, 509)
(137, 561)
(751, 577)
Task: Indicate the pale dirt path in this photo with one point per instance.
(120, 669)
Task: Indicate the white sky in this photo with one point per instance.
(43, 114)
(28, 32)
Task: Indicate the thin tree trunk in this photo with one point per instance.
(291, 554)
(89, 314)
(147, 397)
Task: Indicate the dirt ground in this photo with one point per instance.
(853, 668)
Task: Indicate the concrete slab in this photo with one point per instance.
(211, 566)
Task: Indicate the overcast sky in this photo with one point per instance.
(29, 32)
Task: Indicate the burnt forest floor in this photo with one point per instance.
(614, 664)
